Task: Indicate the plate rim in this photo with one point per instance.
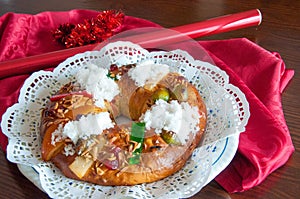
(224, 159)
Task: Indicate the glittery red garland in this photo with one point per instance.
(94, 30)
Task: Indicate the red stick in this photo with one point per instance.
(159, 38)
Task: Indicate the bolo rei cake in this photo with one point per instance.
(124, 125)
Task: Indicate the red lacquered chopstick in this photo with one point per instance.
(158, 38)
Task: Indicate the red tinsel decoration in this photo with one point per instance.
(94, 30)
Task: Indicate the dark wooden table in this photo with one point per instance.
(280, 32)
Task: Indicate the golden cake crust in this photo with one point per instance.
(131, 102)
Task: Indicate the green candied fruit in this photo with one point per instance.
(170, 137)
(137, 135)
(135, 159)
(112, 76)
(161, 93)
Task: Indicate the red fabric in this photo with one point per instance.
(261, 75)
(266, 144)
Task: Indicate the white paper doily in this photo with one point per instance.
(227, 108)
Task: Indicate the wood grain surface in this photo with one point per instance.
(279, 32)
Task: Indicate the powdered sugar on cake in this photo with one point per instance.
(91, 124)
(95, 81)
(179, 118)
(148, 72)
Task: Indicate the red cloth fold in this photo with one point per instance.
(260, 74)
(266, 144)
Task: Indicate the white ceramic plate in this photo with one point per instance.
(227, 107)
